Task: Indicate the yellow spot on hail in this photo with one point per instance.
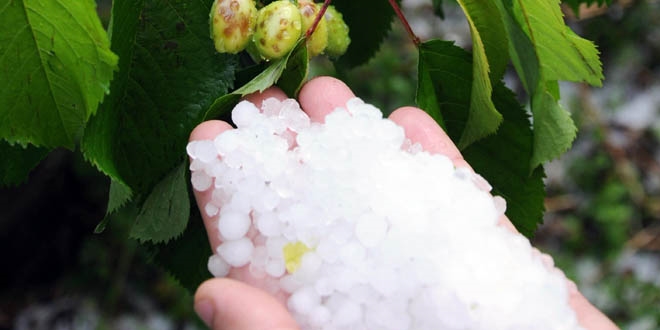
(293, 253)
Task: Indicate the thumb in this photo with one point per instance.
(226, 304)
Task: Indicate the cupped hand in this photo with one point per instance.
(237, 303)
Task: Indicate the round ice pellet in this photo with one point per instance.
(233, 224)
(218, 266)
(236, 253)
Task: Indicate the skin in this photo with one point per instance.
(221, 302)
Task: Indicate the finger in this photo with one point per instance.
(208, 130)
(589, 316)
(421, 128)
(257, 98)
(322, 95)
(226, 304)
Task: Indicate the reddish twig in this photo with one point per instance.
(404, 21)
(318, 18)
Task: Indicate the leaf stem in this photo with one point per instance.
(318, 18)
(404, 21)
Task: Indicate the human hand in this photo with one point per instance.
(225, 303)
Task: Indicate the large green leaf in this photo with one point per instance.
(445, 84)
(169, 76)
(369, 22)
(56, 66)
(489, 47)
(544, 50)
(503, 158)
(17, 161)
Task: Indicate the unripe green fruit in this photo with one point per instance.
(278, 29)
(232, 24)
(317, 42)
(338, 39)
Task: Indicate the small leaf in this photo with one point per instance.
(489, 61)
(56, 67)
(295, 72)
(164, 214)
(369, 22)
(554, 130)
(119, 195)
(290, 71)
(437, 9)
(17, 161)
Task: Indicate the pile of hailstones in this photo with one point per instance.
(359, 229)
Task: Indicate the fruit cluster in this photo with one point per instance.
(274, 30)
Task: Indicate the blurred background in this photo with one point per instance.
(602, 223)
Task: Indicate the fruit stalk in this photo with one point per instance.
(404, 21)
(318, 18)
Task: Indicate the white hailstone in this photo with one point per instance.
(244, 114)
(211, 210)
(218, 267)
(348, 314)
(304, 300)
(268, 224)
(275, 267)
(201, 181)
(236, 253)
(233, 224)
(370, 230)
(203, 150)
(362, 229)
(319, 315)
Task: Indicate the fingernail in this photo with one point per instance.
(204, 308)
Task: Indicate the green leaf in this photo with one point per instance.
(17, 161)
(437, 8)
(164, 214)
(56, 67)
(428, 90)
(503, 159)
(369, 22)
(554, 129)
(289, 72)
(445, 84)
(295, 72)
(186, 257)
(489, 46)
(562, 55)
(169, 74)
(544, 50)
(119, 195)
